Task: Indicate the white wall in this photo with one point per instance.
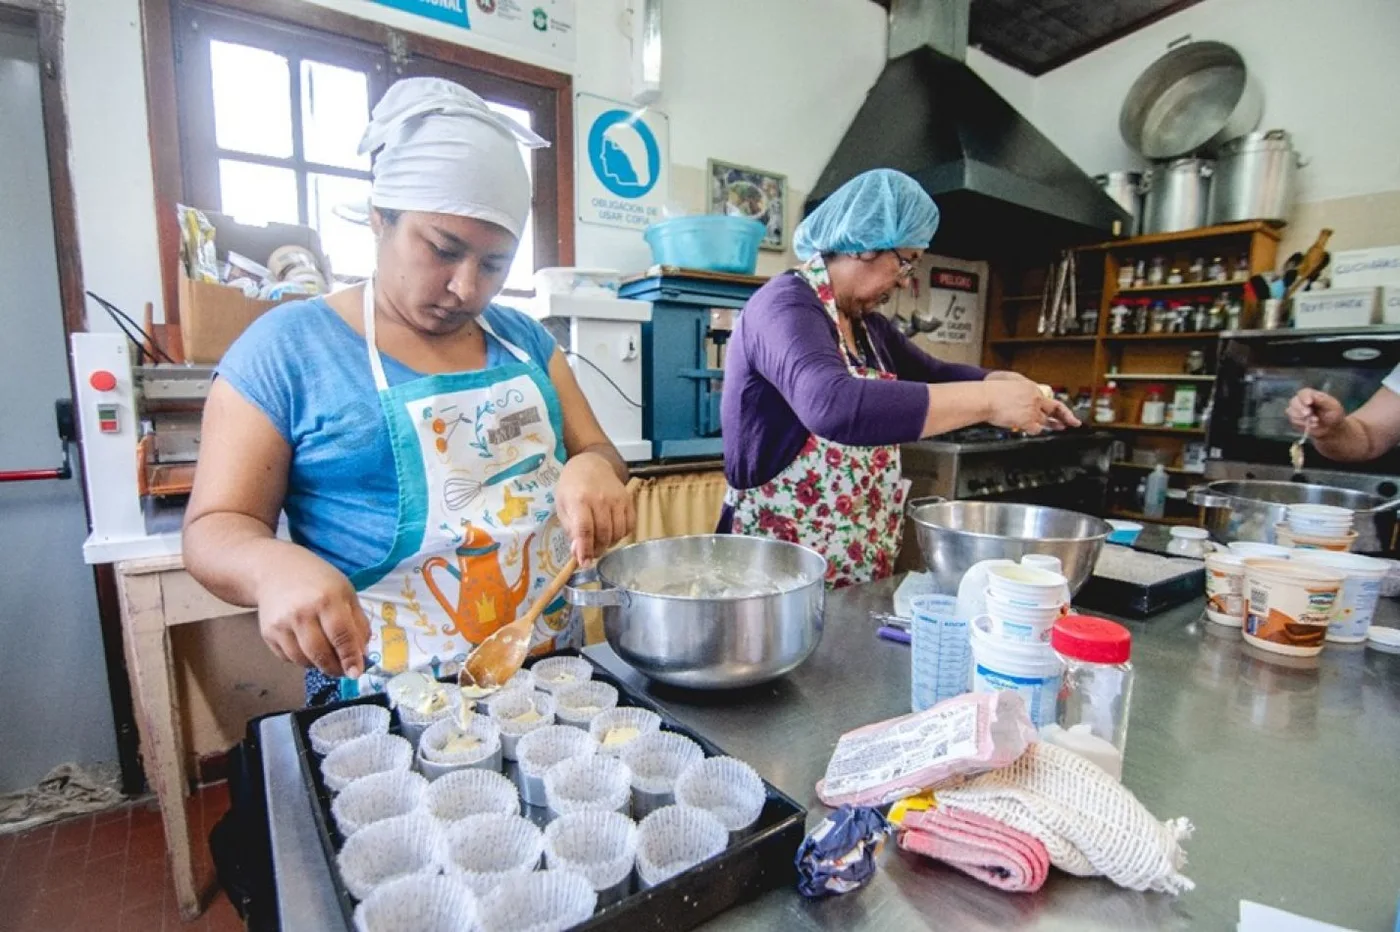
(1328, 70)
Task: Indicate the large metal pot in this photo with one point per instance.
(1126, 190)
(954, 536)
(1255, 178)
(712, 640)
(1175, 195)
(1251, 509)
(1193, 98)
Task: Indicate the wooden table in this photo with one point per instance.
(156, 595)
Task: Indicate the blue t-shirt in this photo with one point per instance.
(308, 371)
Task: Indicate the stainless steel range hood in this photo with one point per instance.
(1000, 184)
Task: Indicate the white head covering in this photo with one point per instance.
(443, 150)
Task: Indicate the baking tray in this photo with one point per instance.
(1140, 600)
(760, 861)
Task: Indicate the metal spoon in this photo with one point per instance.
(496, 659)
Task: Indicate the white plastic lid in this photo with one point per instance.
(1190, 533)
(1384, 639)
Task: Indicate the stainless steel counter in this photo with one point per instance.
(1288, 774)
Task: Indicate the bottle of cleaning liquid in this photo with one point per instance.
(1154, 502)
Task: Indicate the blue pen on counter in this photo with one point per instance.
(898, 635)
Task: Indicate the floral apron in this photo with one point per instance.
(845, 502)
(477, 456)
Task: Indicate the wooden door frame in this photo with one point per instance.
(46, 17)
(157, 26)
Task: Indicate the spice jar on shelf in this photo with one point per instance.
(1154, 407)
(1198, 269)
(1106, 405)
(1157, 271)
(1140, 273)
(1125, 275)
(1240, 271)
(1216, 272)
(1174, 277)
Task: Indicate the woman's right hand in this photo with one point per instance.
(309, 615)
(1316, 412)
(1020, 405)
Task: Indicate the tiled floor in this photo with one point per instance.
(106, 872)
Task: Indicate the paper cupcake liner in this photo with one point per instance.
(674, 839)
(507, 712)
(726, 788)
(657, 760)
(377, 797)
(364, 756)
(594, 782)
(412, 723)
(384, 851)
(580, 705)
(622, 726)
(555, 673)
(342, 726)
(602, 846)
(484, 850)
(454, 796)
(418, 903)
(543, 748)
(538, 901)
(435, 760)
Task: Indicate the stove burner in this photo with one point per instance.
(981, 433)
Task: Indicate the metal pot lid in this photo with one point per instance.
(1262, 139)
(1183, 99)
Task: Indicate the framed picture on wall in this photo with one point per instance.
(740, 191)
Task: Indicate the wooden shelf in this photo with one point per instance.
(1248, 228)
(1146, 429)
(1199, 335)
(1139, 516)
(1156, 377)
(1018, 298)
(1041, 341)
(1172, 470)
(1184, 286)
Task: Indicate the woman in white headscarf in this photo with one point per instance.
(432, 451)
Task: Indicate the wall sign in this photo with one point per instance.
(623, 163)
(545, 26)
(953, 311)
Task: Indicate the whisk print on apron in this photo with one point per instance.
(477, 456)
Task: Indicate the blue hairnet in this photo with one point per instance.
(879, 209)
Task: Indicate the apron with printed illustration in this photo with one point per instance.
(477, 456)
(845, 502)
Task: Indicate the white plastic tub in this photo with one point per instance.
(1032, 670)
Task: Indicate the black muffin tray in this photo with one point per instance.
(760, 861)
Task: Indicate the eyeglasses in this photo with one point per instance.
(907, 267)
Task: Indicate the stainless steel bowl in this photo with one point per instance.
(710, 642)
(1193, 98)
(956, 535)
(1251, 509)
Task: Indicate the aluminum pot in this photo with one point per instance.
(1176, 195)
(1255, 179)
(1126, 190)
(1250, 510)
(1193, 98)
(704, 641)
(954, 536)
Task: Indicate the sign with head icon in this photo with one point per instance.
(623, 163)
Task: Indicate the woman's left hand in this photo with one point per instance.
(594, 506)
(1005, 375)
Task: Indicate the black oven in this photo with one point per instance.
(1260, 371)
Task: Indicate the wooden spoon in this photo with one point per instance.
(496, 659)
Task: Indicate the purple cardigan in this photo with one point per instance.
(785, 376)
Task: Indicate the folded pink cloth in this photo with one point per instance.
(994, 853)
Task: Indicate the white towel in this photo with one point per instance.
(1090, 824)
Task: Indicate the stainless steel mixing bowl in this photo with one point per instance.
(956, 535)
(710, 643)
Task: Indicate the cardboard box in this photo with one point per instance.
(1390, 304)
(1334, 307)
(213, 316)
(1366, 268)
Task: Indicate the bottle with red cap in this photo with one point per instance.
(1097, 688)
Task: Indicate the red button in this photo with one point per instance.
(102, 380)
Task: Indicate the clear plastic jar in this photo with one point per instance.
(1097, 689)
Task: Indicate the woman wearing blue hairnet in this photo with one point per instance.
(820, 389)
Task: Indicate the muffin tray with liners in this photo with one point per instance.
(758, 861)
